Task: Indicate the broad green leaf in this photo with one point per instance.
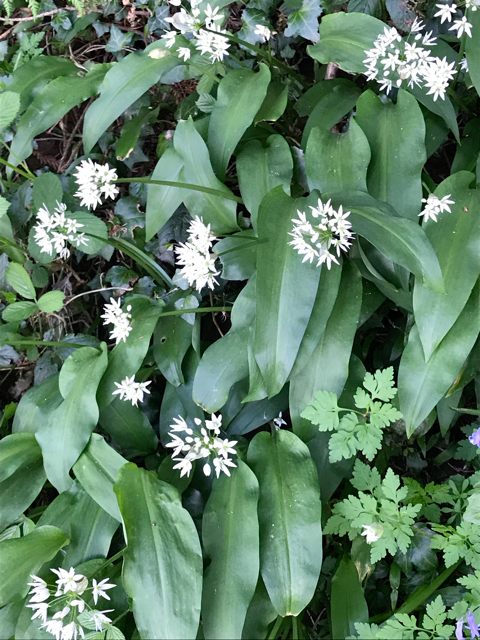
(344, 38)
(238, 255)
(396, 135)
(126, 357)
(50, 105)
(285, 292)
(260, 614)
(261, 168)
(274, 104)
(219, 212)
(162, 570)
(131, 131)
(337, 161)
(18, 278)
(21, 557)
(443, 108)
(16, 450)
(162, 201)
(240, 95)
(9, 106)
(289, 513)
(68, 429)
(19, 311)
(348, 601)
(255, 414)
(466, 155)
(124, 83)
(36, 406)
(422, 384)
(51, 301)
(7, 240)
(171, 340)
(96, 470)
(456, 241)
(47, 191)
(472, 51)
(327, 369)
(304, 22)
(129, 427)
(371, 7)
(92, 226)
(399, 239)
(89, 528)
(231, 540)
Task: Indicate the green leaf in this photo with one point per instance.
(126, 358)
(261, 168)
(50, 105)
(472, 51)
(285, 292)
(371, 7)
(396, 134)
(21, 557)
(18, 278)
(7, 240)
(218, 212)
(129, 427)
(455, 237)
(9, 106)
(51, 301)
(47, 191)
(18, 311)
(260, 614)
(289, 512)
(36, 405)
(443, 108)
(323, 411)
(328, 365)
(400, 240)
(231, 539)
(124, 83)
(304, 22)
(344, 38)
(131, 131)
(163, 558)
(239, 259)
(96, 470)
(348, 601)
(380, 385)
(163, 201)
(240, 95)
(337, 161)
(68, 428)
(171, 340)
(274, 104)
(422, 384)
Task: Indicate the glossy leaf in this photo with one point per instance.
(260, 614)
(171, 340)
(124, 83)
(129, 427)
(337, 161)
(443, 108)
(472, 51)
(68, 428)
(240, 95)
(47, 191)
(51, 301)
(162, 570)
(348, 601)
(162, 201)
(455, 238)
(422, 384)
(36, 406)
(231, 540)
(285, 292)
(21, 557)
(18, 278)
(396, 135)
(19, 311)
(238, 255)
(274, 104)
(289, 513)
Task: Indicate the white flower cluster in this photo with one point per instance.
(201, 445)
(128, 389)
(461, 25)
(120, 320)
(263, 31)
(53, 231)
(392, 61)
(373, 532)
(94, 182)
(434, 206)
(207, 40)
(67, 601)
(332, 230)
(195, 257)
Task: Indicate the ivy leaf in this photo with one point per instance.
(323, 411)
(304, 22)
(380, 384)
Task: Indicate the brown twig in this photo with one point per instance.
(40, 15)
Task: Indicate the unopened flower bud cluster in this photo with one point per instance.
(63, 611)
(120, 320)
(330, 231)
(195, 257)
(203, 445)
(54, 230)
(95, 182)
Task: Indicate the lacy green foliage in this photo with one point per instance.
(378, 502)
(401, 625)
(461, 542)
(361, 430)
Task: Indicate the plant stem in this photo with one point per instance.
(183, 185)
(275, 629)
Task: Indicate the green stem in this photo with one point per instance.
(22, 173)
(275, 629)
(46, 343)
(110, 561)
(295, 628)
(183, 185)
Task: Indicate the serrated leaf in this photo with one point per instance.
(19, 311)
(362, 399)
(51, 301)
(323, 411)
(19, 279)
(380, 384)
(365, 478)
(9, 106)
(206, 103)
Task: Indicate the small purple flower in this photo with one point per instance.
(459, 630)
(475, 439)
(472, 625)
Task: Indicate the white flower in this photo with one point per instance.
(184, 466)
(55, 627)
(80, 604)
(222, 464)
(278, 422)
(169, 38)
(214, 44)
(434, 206)
(100, 588)
(40, 611)
(120, 320)
(464, 65)
(195, 257)
(461, 26)
(69, 580)
(98, 618)
(263, 31)
(71, 631)
(445, 12)
(61, 614)
(372, 532)
(184, 52)
(437, 76)
(132, 391)
(52, 231)
(471, 4)
(95, 180)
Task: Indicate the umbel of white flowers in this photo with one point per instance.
(94, 182)
(435, 205)
(331, 230)
(195, 257)
(132, 391)
(63, 611)
(54, 230)
(120, 320)
(204, 444)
